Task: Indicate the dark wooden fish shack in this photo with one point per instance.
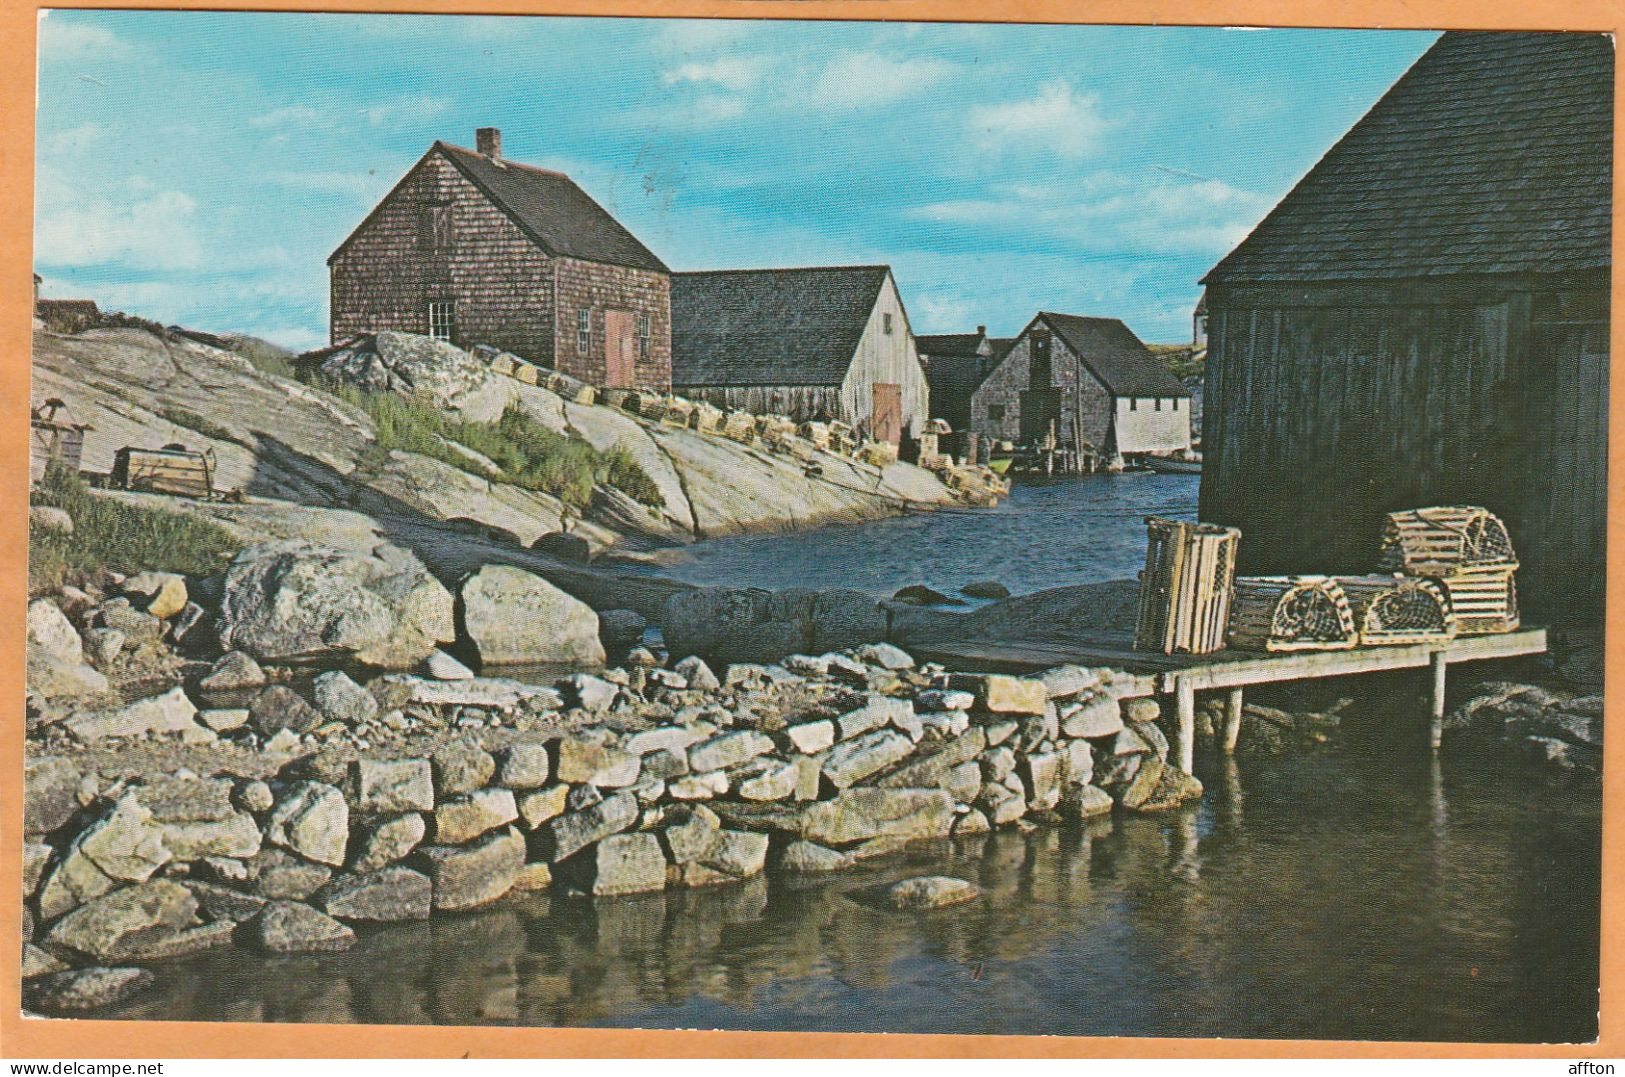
(55, 439)
(1423, 320)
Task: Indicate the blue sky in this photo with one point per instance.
(198, 167)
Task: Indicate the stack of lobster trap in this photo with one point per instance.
(1441, 572)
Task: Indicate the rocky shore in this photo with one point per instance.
(233, 761)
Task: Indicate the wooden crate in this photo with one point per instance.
(679, 412)
(817, 433)
(1290, 613)
(1185, 588)
(1433, 541)
(878, 453)
(740, 426)
(170, 470)
(529, 373)
(1484, 598)
(503, 363)
(1399, 609)
(572, 389)
(776, 431)
(842, 439)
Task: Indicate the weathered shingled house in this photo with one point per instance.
(477, 249)
(830, 342)
(1091, 379)
(955, 364)
(1423, 320)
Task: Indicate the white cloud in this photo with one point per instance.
(149, 229)
(729, 72)
(868, 79)
(1059, 120)
(64, 41)
(72, 141)
(290, 115)
(405, 110)
(363, 186)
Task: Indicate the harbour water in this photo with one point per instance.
(1363, 890)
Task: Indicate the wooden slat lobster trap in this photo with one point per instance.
(1291, 613)
(1185, 588)
(1399, 609)
(1468, 550)
(173, 469)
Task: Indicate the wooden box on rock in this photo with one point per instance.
(1399, 609)
(1185, 588)
(1468, 550)
(170, 470)
(1291, 613)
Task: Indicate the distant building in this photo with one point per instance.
(828, 342)
(1091, 382)
(955, 364)
(1424, 320)
(474, 248)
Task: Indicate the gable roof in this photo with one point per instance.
(1122, 363)
(940, 344)
(770, 326)
(547, 206)
(1492, 154)
(1001, 346)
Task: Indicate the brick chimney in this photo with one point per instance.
(981, 330)
(488, 141)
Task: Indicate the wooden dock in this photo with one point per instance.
(1182, 676)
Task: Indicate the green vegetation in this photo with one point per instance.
(193, 421)
(266, 356)
(525, 453)
(1182, 359)
(113, 534)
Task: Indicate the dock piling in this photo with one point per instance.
(1437, 665)
(1185, 699)
(1232, 721)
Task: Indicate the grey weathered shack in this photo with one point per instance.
(820, 343)
(1091, 381)
(1424, 320)
(955, 364)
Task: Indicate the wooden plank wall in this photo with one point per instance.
(1329, 407)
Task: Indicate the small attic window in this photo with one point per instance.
(885, 323)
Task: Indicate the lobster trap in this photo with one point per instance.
(1399, 609)
(1185, 588)
(1291, 613)
(1467, 549)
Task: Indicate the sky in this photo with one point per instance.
(198, 168)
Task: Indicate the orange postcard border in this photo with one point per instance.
(86, 1039)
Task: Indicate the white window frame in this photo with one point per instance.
(583, 330)
(443, 319)
(645, 334)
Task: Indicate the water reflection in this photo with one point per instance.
(1355, 898)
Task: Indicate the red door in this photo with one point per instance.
(620, 350)
(887, 420)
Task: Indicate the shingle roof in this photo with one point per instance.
(553, 211)
(1492, 154)
(1116, 356)
(770, 326)
(949, 344)
(1001, 346)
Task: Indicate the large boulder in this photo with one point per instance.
(51, 634)
(861, 814)
(292, 599)
(390, 894)
(730, 624)
(287, 927)
(408, 364)
(79, 990)
(121, 923)
(513, 616)
(50, 793)
(313, 820)
(468, 876)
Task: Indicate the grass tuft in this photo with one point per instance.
(112, 534)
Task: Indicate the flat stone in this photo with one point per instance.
(931, 892)
(50, 793)
(341, 699)
(739, 853)
(125, 844)
(443, 667)
(861, 814)
(944, 699)
(223, 719)
(393, 785)
(728, 750)
(525, 765)
(462, 767)
(237, 835)
(1091, 716)
(175, 799)
(884, 655)
(627, 864)
(1085, 802)
(37, 962)
(1001, 694)
(386, 895)
(665, 765)
(224, 904)
(699, 786)
(168, 712)
(928, 771)
(468, 876)
(465, 818)
(573, 832)
(538, 807)
(1065, 682)
(389, 840)
(849, 762)
(494, 693)
(777, 782)
(277, 873)
(589, 692)
(112, 927)
(583, 760)
(877, 712)
(810, 858)
(810, 738)
(691, 837)
(288, 927)
(279, 708)
(231, 671)
(82, 990)
(313, 820)
(669, 738)
(533, 877)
